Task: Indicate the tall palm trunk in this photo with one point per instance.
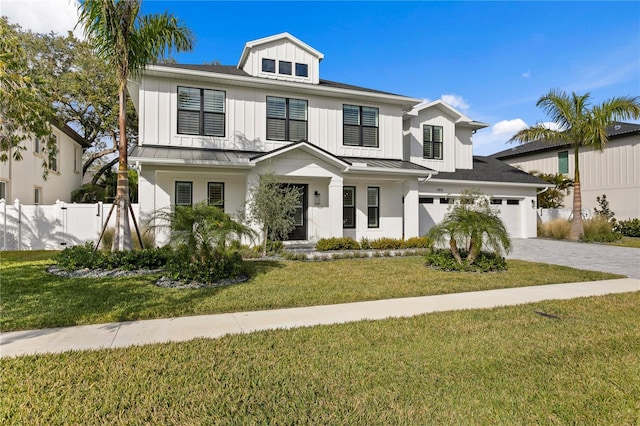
(576, 231)
(122, 238)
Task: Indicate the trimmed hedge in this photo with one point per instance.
(86, 257)
(346, 243)
(485, 262)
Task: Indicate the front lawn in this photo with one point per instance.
(626, 242)
(506, 365)
(31, 298)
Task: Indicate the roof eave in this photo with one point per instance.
(488, 183)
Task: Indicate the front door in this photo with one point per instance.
(299, 232)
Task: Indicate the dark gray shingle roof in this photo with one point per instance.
(619, 129)
(487, 169)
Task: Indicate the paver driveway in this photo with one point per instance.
(594, 257)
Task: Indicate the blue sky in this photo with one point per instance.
(492, 60)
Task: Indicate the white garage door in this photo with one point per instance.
(511, 215)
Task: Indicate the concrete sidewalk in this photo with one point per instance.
(124, 334)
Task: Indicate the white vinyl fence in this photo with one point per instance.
(53, 227)
(545, 215)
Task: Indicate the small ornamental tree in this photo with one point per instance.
(553, 198)
(271, 206)
(469, 225)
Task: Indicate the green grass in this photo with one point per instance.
(500, 366)
(31, 298)
(626, 242)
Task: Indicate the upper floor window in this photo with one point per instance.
(37, 145)
(268, 65)
(284, 67)
(373, 207)
(302, 70)
(360, 126)
(3, 190)
(37, 195)
(286, 119)
(349, 207)
(184, 193)
(563, 162)
(201, 111)
(432, 142)
(53, 156)
(215, 194)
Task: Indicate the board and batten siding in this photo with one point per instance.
(282, 50)
(245, 121)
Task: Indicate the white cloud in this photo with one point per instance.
(508, 127)
(456, 101)
(43, 16)
(495, 139)
(526, 74)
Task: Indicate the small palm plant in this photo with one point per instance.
(470, 225)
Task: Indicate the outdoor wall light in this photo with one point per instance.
(316, 196)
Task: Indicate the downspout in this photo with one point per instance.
(425, 179)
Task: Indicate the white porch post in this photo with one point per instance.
(335, 205)
(411, 209)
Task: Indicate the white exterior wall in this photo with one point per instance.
(22, 177)
(520, 220)
(246, 127)
(615, 172)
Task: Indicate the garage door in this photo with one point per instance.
(511, 215)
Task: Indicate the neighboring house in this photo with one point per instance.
(23, 179)
(370, 164)
(614, 171)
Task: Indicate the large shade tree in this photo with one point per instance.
(129, 42)
(580, 124)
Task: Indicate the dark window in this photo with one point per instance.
(446, 200)
(3, 191)
(37, 195)
(286, 119)
(563, 162)
(184, 191)
(302, 70)
(432, 142)
(268, 65)
(426, 200)
(349, 207)
(360, 126)
(201, 111)
(513, 202)
(37, 145)
(496, 201)
(373, 207)
(53, 155)
(284, 67)
(215, 194)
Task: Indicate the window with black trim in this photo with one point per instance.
(201, 111)
(360, 126)
(349, 207)
(426, 200)
(446, 200)
(496, 201)
(284, 67)
(563, 162)
(184, 193)
(286, 119)
(268, 65)
(215, 194)
(373, 207)
(513, 202)
(432, 142)
(302, 70)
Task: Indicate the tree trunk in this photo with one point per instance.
(122, 237)
(454, 250)
(264, 241)
(576, 230)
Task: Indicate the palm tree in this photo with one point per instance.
(580, 125)
(128, 43)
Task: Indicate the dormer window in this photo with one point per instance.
(284, 67)
(302, 70)
(268, 65)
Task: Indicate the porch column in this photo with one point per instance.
(335, 205)
(411, 209)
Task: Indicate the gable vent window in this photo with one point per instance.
(360, 126)
(302, 70)
(268, 65)
(201, 112)
(432, 142)
(286, 119)
(184, 193)
(284, 67)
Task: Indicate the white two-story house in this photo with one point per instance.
(370, 164)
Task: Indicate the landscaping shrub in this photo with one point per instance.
(365, 243)
(386, 244)
(78, 257)
(599, 229)
(218, 266)
(334, 243)
(417, 242)
(84, 257)
(628, 228)
(557, 228)
(484, 262)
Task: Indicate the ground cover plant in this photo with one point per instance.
(626, 242)
(554, 362)
(32, 298)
